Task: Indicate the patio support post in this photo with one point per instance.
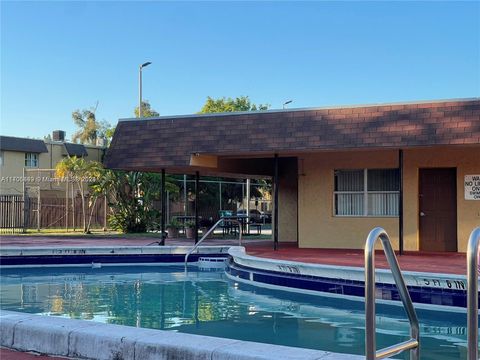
(400, 202)
(247, 210)
(220, 196)
(185, 195)
(66, 206)
(197, 180)
(275, 203)
(24, 199)
(162, 241)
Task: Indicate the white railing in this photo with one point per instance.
(472, 294)
(234, 220)
(370, 321)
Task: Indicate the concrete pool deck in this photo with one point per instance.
(440, 263)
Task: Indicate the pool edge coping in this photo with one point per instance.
(58, 336)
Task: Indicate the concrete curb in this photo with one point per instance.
(91, 340)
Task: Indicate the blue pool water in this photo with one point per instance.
(207, 303)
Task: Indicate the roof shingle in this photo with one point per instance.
(10, 143)
(77, 150)
(169, 141)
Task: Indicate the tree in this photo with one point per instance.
(89, 128)
(147, 110)
(131, 196)
(223, 104)
(109, 134)
(78, 171)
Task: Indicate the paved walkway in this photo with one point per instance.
(113, 240)
(451, 263)
(8, 354)
(447, 263)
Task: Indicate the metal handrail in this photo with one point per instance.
(370, 322)
(211, 230)
(472, 294)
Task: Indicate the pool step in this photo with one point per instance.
(212, 262)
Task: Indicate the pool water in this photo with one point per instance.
(207, 303)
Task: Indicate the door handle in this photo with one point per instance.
(422, 214)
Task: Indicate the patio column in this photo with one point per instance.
(247, 210)
(400, 202)
(162, 241)
(197, 181)
(275, 203)
(220, 208)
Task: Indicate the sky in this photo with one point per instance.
(57, 57)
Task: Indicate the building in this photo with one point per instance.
(35, 160)
(412, 168)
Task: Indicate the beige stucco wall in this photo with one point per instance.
(14, 163)
(318, 227)
(287, 201)
(94, 153)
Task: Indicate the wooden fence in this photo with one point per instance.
(11, 214)
(61, 213)
(49, 213)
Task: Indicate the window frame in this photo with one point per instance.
(365, 193)
(31, 157)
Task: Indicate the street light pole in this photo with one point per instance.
(140, 87)
(286, 103)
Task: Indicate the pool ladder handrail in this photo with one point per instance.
(370, 321)
(232, 219)
(472, 294)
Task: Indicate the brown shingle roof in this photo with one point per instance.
(77, 150)
(168, 142)
(10, 143)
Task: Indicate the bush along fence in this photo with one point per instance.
(17, 215)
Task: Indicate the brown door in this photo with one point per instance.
(438, 209)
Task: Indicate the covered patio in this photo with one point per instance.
(337, 172)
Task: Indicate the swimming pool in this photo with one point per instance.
(207, 303)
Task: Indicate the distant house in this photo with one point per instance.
(35, 160)
(412, 168)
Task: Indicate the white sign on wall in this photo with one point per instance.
(472, 187)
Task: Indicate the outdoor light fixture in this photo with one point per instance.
(140, 87)
(286, 103)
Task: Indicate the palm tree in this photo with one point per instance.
(78, 172)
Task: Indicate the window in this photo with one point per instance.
(367, 192)
(31, 160)
(1, 158)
